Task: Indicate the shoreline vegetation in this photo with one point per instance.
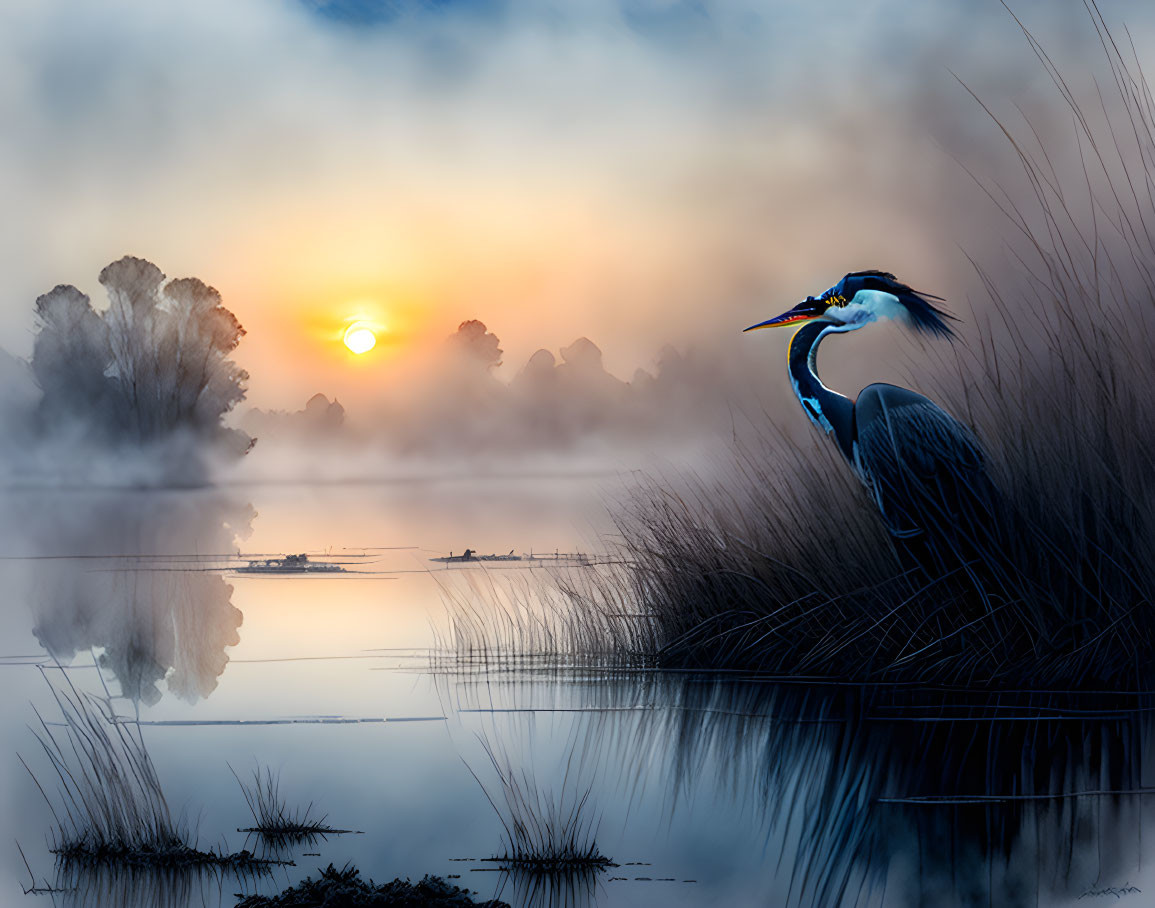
(113, 825)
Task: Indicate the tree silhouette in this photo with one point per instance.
(70, 355)
(154, 363)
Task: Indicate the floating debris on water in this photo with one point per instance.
(290, 564)
(471, 556)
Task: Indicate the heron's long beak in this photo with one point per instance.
(807, 309)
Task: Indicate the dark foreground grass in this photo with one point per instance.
(339, 888)
(173, 855)
(780, 564)
(109, 809)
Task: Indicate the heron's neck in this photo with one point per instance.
(829, 410)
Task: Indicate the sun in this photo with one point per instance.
(360, 338)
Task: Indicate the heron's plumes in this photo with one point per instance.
(921, 314)
(925, 317)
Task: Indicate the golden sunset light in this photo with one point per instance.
(383, 384)
(360, 338)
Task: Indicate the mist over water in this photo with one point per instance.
(558, 220)
(757, 793)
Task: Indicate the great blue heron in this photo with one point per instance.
(923, 468)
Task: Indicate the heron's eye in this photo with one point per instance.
(836, 299)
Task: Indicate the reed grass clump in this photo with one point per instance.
(272, 816)
(546, 832)
(109, 809)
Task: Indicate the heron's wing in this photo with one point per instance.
(925, 470)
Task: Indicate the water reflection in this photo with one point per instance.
(880, 796)
(96, 887)
(872, 795)
(136, 577)
(576, 888)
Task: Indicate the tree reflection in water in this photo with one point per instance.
(140, 585)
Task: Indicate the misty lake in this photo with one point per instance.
(703, 789)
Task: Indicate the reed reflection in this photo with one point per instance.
(872, 795)
(147, 888)
(574, 888)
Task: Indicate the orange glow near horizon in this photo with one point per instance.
(538, 275)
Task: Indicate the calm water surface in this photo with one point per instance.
(706, 790)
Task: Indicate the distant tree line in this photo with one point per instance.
(553, 403)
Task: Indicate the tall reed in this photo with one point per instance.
(109, 799)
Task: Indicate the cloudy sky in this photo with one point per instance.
(637, 171)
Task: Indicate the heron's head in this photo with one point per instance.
(863, 297)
